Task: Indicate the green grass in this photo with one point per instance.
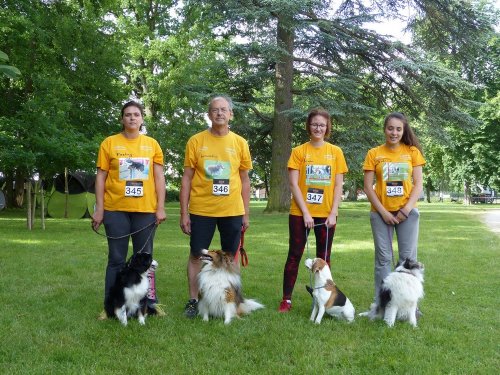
(51, 293)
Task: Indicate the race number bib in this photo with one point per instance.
(314, 196)
(220, 187)
(134, 189)
(394, 188)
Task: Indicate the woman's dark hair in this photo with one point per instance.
(133, 104)
(319, 112)
(409, 138)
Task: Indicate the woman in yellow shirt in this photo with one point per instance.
(396, 168)
(316, 173)
(130, 191)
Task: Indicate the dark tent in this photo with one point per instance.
(80, 200)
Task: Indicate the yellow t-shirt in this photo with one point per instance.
(130, 182)
(393, 170)
(317, 168)
(216, 183)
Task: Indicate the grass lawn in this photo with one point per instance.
(51, 285)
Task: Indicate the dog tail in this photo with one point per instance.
(249, 305)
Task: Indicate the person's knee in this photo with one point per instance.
(195, 259)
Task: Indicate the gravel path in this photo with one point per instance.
(492, 220)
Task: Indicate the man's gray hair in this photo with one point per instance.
(225, 97)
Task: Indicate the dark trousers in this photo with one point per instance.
(121, 223)
(203, 230)
(298, 235)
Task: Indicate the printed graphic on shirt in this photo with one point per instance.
(133, 168)
(215, 169)
(395, 171)
(318, 174)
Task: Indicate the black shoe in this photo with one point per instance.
(191, 309)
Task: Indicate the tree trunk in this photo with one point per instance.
(19, 190)
(467, 193)
(281, 134)
(28, 204)
(66, 193)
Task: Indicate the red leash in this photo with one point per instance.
(241, 250)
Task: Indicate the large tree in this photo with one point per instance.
(320, 53)
(54, 115)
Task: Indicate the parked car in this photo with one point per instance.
(483, 195)
(482, 198)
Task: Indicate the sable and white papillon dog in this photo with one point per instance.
(220, 292)
(327, 297)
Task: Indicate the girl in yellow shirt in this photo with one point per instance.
(316, 173)
(396, 167)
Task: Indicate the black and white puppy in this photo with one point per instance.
(130, 288)
(399, 294)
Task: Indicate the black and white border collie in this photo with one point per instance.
(130, 288)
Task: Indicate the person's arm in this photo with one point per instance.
(185, 221)
(331, 220)
(389, 218)
(100, 181)
(245, 194)
(160, 192)
(414, 195)
(293, 178)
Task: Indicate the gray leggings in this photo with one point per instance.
(121, 223)
(407, 234)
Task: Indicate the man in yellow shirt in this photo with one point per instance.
(215, 190)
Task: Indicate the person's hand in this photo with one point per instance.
(245, 222)
(97, 218)
(402, 215)
(185, 224)
(389, 218)
(308, 220)
(331, 220)
(161, 215)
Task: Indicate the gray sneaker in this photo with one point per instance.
(191, 309)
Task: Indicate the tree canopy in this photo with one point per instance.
(80, 60)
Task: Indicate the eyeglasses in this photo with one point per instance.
(322, 126)
(217, 110)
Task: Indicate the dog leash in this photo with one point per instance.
(130, 234)
(243, 253)
(389, 234)
(310, 287)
